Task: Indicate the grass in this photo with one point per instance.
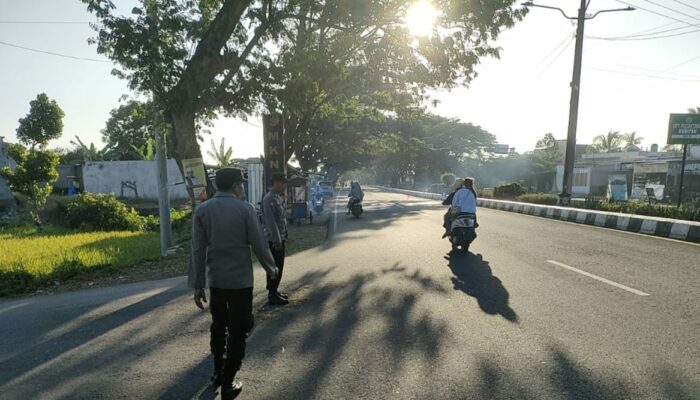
(31, 260)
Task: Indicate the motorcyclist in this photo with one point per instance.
(356, 195)
(447, 219)
(463, 202)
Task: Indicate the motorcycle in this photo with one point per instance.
(463, 232)
(356, 208)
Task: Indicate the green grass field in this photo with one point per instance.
(30, 260)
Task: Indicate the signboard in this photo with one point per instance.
(273, 138)
(617, 187)
(684, 129)
(195, 178)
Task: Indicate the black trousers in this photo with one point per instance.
(232, 321)
(278, 255)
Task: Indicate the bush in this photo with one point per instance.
(688, 212)
(448, 179)
(539, 198)
(509, 191)
(439, 188)
(177, 219)
(100, 212)
(485, 193)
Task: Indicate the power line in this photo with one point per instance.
(686, 76)
(668, 8)
(687, 5)
(47, 22)
(669, 78)
(571, 40)
(680, 65)
(641, 38)
(52, 53)
(658, 13)
(656, 32)
(557, 47)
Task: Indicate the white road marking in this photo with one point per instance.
(335, 215)
(596, 277)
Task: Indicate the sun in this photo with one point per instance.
(420, 18)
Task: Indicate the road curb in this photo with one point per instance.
(688, 231)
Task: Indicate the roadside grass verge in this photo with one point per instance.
(31, 260)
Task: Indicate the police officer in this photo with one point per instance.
(275, 219)
(224, 229)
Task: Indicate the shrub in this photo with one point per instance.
(689, 212)
(177, 219)
(539, 198)
(439, 188)
(509, 191)
(485, 193)
(448, 179)
(100, 212)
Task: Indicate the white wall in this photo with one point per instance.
(106, 177)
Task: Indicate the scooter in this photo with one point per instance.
(463, 232)
(356, 208)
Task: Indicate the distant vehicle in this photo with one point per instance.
(325, 189)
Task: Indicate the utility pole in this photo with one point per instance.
(581, 18)
(166, 240)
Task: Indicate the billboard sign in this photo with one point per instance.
(684, 129)
(195, 179)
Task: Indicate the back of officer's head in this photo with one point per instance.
(227, 179)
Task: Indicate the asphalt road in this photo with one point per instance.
(540, 309)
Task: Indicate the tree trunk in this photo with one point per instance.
(184, 140)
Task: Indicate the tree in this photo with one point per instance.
(88, 153)
(131, 127)
(548, 142)
(608, 143)
(631, 139)
(695, 110)
(33, 176)
(543, 162)
(43, 123)
(222, 155)
(195, 58)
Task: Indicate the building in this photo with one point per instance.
(638, 172)
(6, 197)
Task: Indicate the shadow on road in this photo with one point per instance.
(473, 276)
(562, 375)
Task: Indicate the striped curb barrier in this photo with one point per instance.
(688, 231)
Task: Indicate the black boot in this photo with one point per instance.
(231, 391)
(230, 388)
(218, 371)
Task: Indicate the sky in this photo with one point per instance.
(630, 85)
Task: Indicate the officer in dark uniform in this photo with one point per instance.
(224, 229)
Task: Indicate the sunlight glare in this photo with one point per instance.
(420, 18)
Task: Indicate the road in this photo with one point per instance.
(540, 309)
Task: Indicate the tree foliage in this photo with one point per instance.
(631, 140)
(222, 155)
(33, 176)
(196, 58)
(129, 130)
(43, 123)
(609, 143)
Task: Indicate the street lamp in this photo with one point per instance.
(565, 195)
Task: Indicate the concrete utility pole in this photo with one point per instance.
(565, 195)
(166, 240)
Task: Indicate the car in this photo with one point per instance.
(325, 189)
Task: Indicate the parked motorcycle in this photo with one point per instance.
(463, 232)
